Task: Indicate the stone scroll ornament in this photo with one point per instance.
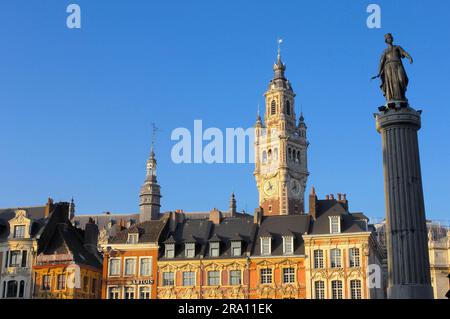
(394, 80)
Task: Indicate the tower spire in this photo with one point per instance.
(150, 191)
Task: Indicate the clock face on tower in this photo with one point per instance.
(294, 187)
(270, 187)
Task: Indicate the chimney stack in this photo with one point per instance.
(313, 203)
(257, 216)
(91, 236)
(48, 207)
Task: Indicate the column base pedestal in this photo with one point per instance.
(410, 292)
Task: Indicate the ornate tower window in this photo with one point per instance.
(264, 157)
(288, 107)
(273, 107)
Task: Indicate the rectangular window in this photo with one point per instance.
(15, 258)
(335, 224)
(94, 286)
(144, 292)
(288, 275)
(236, 248)
(130, 266)
(354, 257)
(113, 293)
(265, 246)
(168, 279)
(213, 278)
(336, 289)
(319, 290)
(190, 250)
(288, 245)
(214, 249)
(355, 289)
(61, 279)
(235, 277)
(335, 258)
(188, 278)
(266, 276)
(133, 238)
(145, 266)
(318, 258)
(128, 293)
(170, 251)
(19, 231)
(86, 284)
(12, 289)
(46, 282)
(24, 258)
(114, 267)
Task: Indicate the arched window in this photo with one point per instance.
(288, 108)
(264, 157)
(298, 156)
(273, 108)
(289, 153)
(269, 155)
(11, 289)
(21, 289)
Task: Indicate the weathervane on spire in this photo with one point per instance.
(279, 41)
(154, 130)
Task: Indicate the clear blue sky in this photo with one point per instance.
(76, 105)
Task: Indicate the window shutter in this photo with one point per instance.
(24, 258)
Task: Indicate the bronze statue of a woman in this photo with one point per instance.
(394, 80)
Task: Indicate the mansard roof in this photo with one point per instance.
(149, 232)
(350, 222)
(111, 223)
(279, 226)
(231, 228)
(35, 213)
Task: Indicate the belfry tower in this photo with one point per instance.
(150, 195)
(280, 149)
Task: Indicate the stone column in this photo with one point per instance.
(406, 231)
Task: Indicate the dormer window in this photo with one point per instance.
(266, 243)
(214, 249)
(169, 251)
(133, 238)
(19, 231)
(189, 250)
(236, 248)
(288, 245)
(335, 224)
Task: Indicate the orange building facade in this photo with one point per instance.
(130, 262)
